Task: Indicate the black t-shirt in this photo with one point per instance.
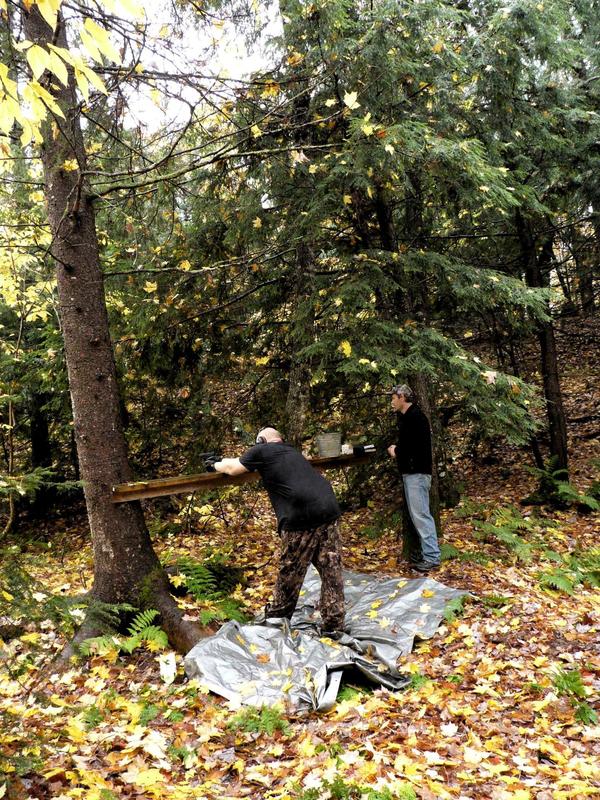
(413, 447)
(302, 499)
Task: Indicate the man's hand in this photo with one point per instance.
(230, 466)
(392, 451)
(210, 461)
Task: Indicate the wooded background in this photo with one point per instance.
(402, 192)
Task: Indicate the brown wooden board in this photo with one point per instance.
(181, 484)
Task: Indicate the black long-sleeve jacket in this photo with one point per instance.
(413, 446)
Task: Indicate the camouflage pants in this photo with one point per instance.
(321, 547)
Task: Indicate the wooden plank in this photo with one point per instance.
(183, 484)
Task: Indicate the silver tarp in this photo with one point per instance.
(292, 665)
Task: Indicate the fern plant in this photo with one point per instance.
(569, 683)
(264, 720)
(25, 600)
(580, 568)
(209, 582)
(454, 608)
(199, 580)
(141, 631)
(340, 789)
(555, 489)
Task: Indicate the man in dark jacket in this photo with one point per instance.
(412, 452)
(307, 520)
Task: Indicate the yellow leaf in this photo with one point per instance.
(31, 638)
(427, 593)
(438, 46)
(350, 99)
(76, 731)
(306, 748)
(82, 83)
(49, 11)
(57, 66)
(101, 39)
(7, 596)
(39, 60)
(150, 286)
(270, 90)
(347, 200)
(143, 777)
(185, 265)
(261, 361)
(155, 96)
(70, 165)
(345, 347)
(295, 58)
(89, 45)
(94, 79)
(257, 223)
(130, 6)
(255, 131)
(331, 102)
(40, 99)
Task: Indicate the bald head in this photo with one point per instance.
(270, 435)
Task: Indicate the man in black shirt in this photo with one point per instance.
(307, 520)
(412, 452)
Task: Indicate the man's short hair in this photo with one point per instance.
(405, 390)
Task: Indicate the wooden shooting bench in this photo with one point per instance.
(182, 484)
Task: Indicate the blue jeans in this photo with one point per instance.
(416, 490)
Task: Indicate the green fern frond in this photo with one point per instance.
(99, 645)
(569, 683)
(448, 551)
(585, 714)
(199, 579)
(142, 620)
(557, 579)
(454, 608)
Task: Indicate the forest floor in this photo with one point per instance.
(503, 701)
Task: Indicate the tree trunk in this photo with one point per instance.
(537, 270)
(298, 396)
(587, 264)
(412, 304)
(126, 567)
(415, 303)
(296, 406)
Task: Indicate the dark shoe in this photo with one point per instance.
(336, 633)
(424, 566)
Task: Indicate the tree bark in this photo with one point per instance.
(126, 567)
(412, 303)
(415, 302)
(537, 269)
(296, 406)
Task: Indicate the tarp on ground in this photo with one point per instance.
(294, 666)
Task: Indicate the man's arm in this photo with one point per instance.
(230, 466)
